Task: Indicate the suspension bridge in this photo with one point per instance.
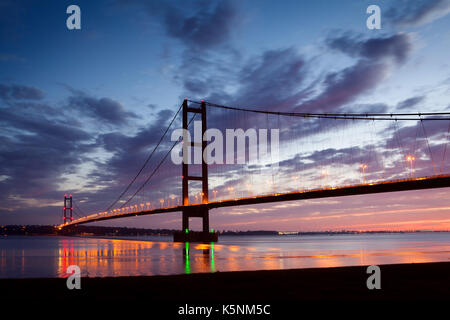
(320, 155)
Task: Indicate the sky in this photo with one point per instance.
(81, 110)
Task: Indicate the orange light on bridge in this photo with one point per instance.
(363, 169)
(162, 202)
(215, 194)
(411, 159)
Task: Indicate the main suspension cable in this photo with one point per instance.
(351, 116)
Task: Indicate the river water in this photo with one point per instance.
(49, 256)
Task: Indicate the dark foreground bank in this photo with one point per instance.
(398, 282)
(278, 294)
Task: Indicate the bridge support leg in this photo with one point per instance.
(204, 215)
(206, 221)
(185, 221)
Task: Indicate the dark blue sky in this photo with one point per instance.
(81, 109)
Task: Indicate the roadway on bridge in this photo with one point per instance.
(441, 181)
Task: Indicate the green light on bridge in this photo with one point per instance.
(186, 230)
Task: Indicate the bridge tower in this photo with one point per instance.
(68, 209)
(202, 210)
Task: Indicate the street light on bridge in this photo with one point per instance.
(411, 159)
(363, 169)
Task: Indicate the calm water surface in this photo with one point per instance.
(47, 256)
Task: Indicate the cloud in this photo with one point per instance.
(309, 165)
(19, 92)
(37, 148)
(282, 79)
(272, 80)
(344, 86)
(410, 102)
(206, 28)
(397, 46)
(208, 73)
(40, 125)
(104, 110)
(418, 12)
(116, 141)
(374, 61)
(199, 25)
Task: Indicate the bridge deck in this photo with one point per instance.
(441, 181)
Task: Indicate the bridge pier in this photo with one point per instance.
(186, 235)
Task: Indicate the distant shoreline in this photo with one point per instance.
(123, 231)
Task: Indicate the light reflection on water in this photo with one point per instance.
(40, 256)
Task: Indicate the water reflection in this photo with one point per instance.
(65, 256)
(50, 256)
(201, 254)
